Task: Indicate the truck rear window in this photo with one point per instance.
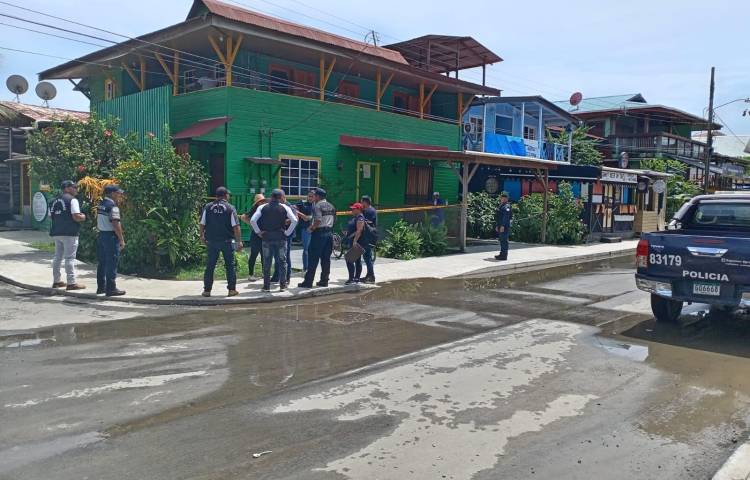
(728, 215)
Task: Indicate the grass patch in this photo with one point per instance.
(44, 246)
(195, 271)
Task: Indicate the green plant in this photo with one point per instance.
(677, 184)
(434, 237)
(564, 225)
(74, 149)
(164, 194)
(481, 214)
(402, 241)
(583, 148)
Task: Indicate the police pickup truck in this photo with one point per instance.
(702, 257)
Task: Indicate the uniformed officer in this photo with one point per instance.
(321, 241)
(110, 241)
(274, 222)
(66, 216)
(502, 225)
(220, 232)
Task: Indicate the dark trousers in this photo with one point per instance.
(321, 247)
(256, 245)
(288, 253)
(107, 254)
(503, 236)
(355, 268)
(275, 252)
(226, 249)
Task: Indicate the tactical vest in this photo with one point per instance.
(62, 219)
(273, 221)
(219, 221)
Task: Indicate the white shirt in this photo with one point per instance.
(74, 206)
(289, 214)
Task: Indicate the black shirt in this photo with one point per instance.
(219, 219)
(371, 215)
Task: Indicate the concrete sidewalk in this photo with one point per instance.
(30, 268)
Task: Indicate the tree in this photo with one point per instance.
(677, 185)
(583, 151)
(74, 149)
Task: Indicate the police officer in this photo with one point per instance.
(274, 222)
(220, 232)
(502, 225)
(110, 241)
(321, 241)
(65, 212)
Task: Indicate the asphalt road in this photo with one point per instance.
(559, 374)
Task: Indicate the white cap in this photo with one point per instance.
(435, 193)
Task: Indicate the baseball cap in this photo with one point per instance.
(68, 183)
(222, 192)
(435, 194)
(356, 205)
(113, 189)
(320, 192)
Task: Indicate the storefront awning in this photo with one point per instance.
(201, 128)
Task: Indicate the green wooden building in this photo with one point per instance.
(264, 103)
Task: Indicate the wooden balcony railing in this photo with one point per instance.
(656, 144)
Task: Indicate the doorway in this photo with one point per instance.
(368, 180)
(216, 168)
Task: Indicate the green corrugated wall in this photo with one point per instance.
(139, 113)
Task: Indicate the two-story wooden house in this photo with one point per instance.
(264, 102)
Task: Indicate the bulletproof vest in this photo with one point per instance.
(62, 219)
(219, 221)
(272, 221)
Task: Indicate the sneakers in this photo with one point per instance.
(232, 293)
(501, 257)
(266, 288)
(100, 291)
(59, 285)
(252, 278)
(321, 284)
(304, 285)
(351, 281)
(206, 293)
(115, 293)
(282, 287)
(75, 286)
(368, 279)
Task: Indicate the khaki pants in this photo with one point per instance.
(65, 249)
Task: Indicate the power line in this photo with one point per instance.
(52, 35)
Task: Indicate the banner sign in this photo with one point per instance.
(618, 177)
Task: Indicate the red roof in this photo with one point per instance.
(365, 142)
(35, 113)
(239, 14)
(200, 128)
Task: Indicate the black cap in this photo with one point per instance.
(504, 194)
(222, 192)
(109, 189)
(67, 184)
(366, 198)
(277, 193)
(320, 192)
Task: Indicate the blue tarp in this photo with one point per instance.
(504, 144)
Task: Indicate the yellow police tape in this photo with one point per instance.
(400, 210)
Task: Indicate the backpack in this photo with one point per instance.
(370, 232)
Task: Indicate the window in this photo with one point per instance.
(279, 81)
(477, 128)
(418, 185)
(305, 84)
(110, 89)
(400, 101)
(529, 133)
(220, 75)
(298, 175)
(503, 125)
(721, 215)
(350, 92)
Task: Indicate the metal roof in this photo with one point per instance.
(445, 53)
(201, 127)
(249, 17)
(515, 101)
(11, 110)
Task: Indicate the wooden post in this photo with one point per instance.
(228, 64)
(127, 68)
(460, 113)
(325, 74)
(463, 218)
(546, 205)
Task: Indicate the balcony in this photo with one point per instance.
(648, 145)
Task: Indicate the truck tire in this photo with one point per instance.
(665, 310)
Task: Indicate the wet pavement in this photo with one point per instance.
(560, 373)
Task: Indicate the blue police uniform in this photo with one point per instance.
(107, 246)
(219, 219)
(503, 216)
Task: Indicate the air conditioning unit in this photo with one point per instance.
(470, 128)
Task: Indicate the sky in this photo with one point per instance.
(663, 49)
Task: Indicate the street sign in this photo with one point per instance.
(660, 186)
(39, 207)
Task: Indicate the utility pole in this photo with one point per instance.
(709, 134)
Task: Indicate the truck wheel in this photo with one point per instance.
(665, 310)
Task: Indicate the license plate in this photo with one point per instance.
(713, 289)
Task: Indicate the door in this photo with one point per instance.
(216, 170)
(368, 180)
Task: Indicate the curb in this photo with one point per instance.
(737, 466)
(193, 302)
(535, 264)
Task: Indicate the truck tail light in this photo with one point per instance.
(641, 254)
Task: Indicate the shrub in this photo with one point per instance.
(481, 215)
(402, 241)
(564, 225)
(434, 237)
(164, 193)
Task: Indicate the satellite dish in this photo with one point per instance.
(576, 98)
(17, 85)
(46, 91)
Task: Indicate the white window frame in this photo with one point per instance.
(530, 129)
(478, 123)
(291, 179)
